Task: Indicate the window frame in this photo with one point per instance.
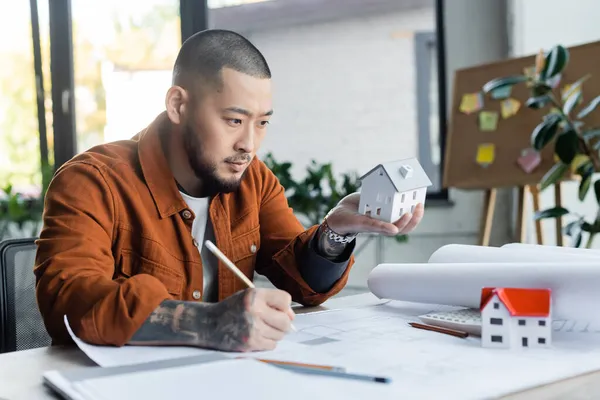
(423, 43)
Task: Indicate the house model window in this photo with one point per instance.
(515, 317)
(390, 189)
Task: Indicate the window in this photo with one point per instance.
(401, 211)
(379, 197)
(430, 110)
(496, 339)
(403, 196)
(412, 209)
(388, 199)
(378, 211)
(524, 342)
(123, 59)
(522, 322)
(542, 322)
(21, 134)
(541, 340)
(496, 321)
(414, 195)
(496, 306)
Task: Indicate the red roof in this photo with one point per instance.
(520, 301)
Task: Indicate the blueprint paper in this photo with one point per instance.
(111, 356)
(377, 340)
(429, 365)
(463, 253)
(554, 249)
(252, 380)
(574, 284)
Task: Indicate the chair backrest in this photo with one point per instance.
(21, 325)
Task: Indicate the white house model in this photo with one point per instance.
(392, 189)
(516, 317)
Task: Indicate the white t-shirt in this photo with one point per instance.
(202, 230)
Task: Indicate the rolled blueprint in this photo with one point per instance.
(463, 253)
(547, 248)
(575, 285)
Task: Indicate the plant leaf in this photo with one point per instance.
(553, 175)
(577, 240)
(556, 61)
(574, 87)
(584, 186)
(571, 102)
(567, 146)
(545, 131)
(573, 227)
(540, 89)
(597, 190)
(537, 102)
(592, 133)
(589, 108)
(502, 82)
(553, 212)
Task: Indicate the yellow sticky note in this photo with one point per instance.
(488, 120)
(471, 102)
(485, 154)
(509, 107)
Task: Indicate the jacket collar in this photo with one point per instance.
(156, 170)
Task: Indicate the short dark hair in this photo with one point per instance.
(204, 54)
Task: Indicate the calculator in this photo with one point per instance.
(465, 320)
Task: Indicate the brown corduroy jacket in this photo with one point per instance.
(117, 241)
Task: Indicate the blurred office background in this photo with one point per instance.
(356, 82)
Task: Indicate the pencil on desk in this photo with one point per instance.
(302, 365)
(215, 250)
(439, 329)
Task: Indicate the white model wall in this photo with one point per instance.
(541, 24)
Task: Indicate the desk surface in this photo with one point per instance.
(21, 372)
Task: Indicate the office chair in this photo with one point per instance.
(21, 325)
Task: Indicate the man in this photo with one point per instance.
(121, 252)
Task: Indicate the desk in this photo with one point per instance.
(21, 372)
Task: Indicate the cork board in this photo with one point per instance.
(509, 136)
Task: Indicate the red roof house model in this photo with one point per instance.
(520, 301)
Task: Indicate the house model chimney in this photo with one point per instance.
(406, 171)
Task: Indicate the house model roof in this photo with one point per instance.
(405, 174)
(520, 301)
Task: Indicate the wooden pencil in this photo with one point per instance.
(439, 329)
(215, 250)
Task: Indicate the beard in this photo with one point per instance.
(206, 171)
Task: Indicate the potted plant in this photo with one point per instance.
(575, 142)
(20, 210)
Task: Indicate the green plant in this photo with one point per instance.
(20, 210)
(319, 191)
(575, 144)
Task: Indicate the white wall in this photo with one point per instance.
(345, 92)
(541, 24)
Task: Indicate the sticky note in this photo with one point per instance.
(485, 154)
(471, 102)
(501, 93)
(529, 160)
(488, 120)
(509, 107)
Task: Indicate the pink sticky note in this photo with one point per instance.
(529, 160)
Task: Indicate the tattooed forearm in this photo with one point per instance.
(222, 326)
(328, 248)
